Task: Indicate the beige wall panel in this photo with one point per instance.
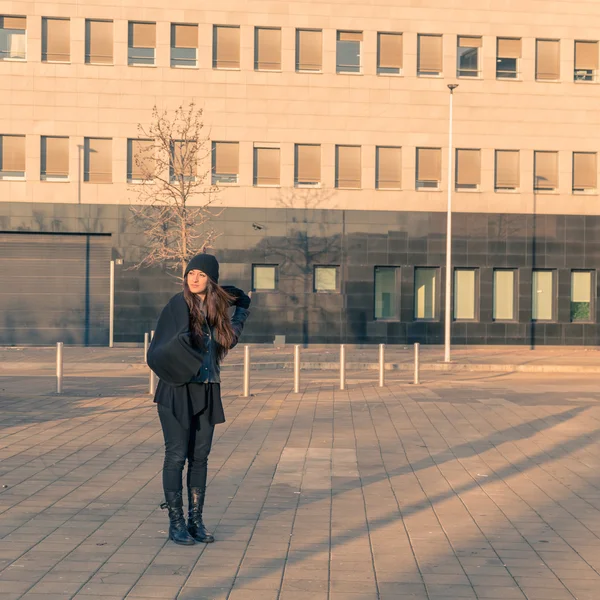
(88, 100)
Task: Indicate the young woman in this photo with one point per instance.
(192, 337)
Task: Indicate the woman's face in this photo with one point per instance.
(197, 281)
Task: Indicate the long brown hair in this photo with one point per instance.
(214, 309)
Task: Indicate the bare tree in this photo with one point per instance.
(167, 157)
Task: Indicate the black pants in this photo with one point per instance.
(192, 444)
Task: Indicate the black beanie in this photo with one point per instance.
(206, 263)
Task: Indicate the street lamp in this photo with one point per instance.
(448, 321)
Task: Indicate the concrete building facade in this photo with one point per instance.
(328, 124)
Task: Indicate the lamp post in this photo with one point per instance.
(448, 310)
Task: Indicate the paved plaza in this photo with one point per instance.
(471, 485)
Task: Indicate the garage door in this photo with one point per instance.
(54, 288)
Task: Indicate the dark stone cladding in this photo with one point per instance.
(357, 241)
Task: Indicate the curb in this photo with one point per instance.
(140, 369)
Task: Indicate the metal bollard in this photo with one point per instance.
(342, 367)
(296, 369)
(246, 391)
(146, 346)
(417, 360)
(381, 365)
(59, 367)
(152, 385)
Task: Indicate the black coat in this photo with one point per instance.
(179, 364)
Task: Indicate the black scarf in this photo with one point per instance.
(176, 362)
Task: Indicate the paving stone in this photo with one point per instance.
(463, 487)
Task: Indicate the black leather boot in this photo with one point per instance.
(195, 525)
(177, 530)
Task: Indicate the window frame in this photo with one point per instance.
(88, 39)
(377, 168)
(552, 295)
(297, 50)
(25, 36)
(14, 175)
(338, 67)
(464, 187)
(173, 47)
(86, 160)
(257, 62)
(592, 302)
(337, 167)
(436, 295)
(537, 56)
(308, 185)
(427, 73)
(215, 48)
(594, 74)
(45, 38)
(476, 295)
(515, 297)
(338, 278)
(130, 48)
(275, 268)
(255, 152)
(214, 176)
(508, 75)
(397, 292)
(545, 190)
(592, 191)
(43, 151)
(387, 71)
(420, 185)
(131, 159)
(477, 71)
(504, 189)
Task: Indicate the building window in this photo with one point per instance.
(508, 55)
(547, 60)
(12, 157)
(389, 53)
(581, 296)
(98, 42)
(13, 38)
(425, 293)
(140, 160)
(309, 50)
(348, 51)
(266, 166)
(468, 56)
(388, 168)
(183, 160)
(225, 162)
(386, 292)
(503, 308)
(545, 171)
(184, 45)
(584, 172)
(430, 56)
(347, 167)
(226, 47)
(586, 61)
(54, 159)
(507, 175)
(264, 277)
(542, 297)
(468, 169)
(429, 168)
(465, 291)
(98, 160)
(307, 165)
(142, 44)
(56, 40)
(327, 279)
(267, 49)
